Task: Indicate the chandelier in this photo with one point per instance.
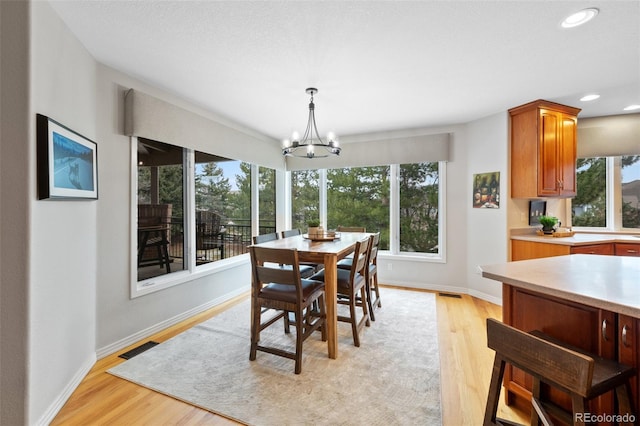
(311, 145)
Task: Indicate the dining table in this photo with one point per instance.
(327, 252)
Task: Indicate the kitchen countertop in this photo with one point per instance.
(607, 282)
(579, 239)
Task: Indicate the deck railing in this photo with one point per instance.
(234, 240)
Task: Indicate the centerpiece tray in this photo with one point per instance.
(325, 236)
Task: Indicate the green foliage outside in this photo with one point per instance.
(419, 207)
(355, 197)
(359, 197)
(591, 200)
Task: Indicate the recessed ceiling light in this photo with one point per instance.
(632, 107)
(588, 98)
(579, 18)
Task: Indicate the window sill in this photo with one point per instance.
(412, 257)
(141, 288)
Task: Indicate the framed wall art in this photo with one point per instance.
(486, 190)
(536, 209)
(67, 162)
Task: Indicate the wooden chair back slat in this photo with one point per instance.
(290, 233)
(562, 367)
(258, 239)
(352, 229)
(360, 258)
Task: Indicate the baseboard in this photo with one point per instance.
(484, 296)
(142, 334)
(427, 286)
(59, 402)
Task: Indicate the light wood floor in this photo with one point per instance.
(465, 374)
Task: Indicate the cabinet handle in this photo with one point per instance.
(624, 336)
(604, 330)
(632, 251)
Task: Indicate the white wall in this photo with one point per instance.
(62, 237)
(487, 229)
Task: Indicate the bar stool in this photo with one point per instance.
(582, 376)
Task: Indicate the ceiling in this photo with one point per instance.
(378, 65)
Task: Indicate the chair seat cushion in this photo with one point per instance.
(344, 275)
(287, 293)
(345, 263)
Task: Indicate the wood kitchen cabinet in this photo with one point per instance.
(523, 250)
(629, 349)
(627, 249)
(543, 150)
(604, 248)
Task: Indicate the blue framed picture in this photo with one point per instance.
(67, 162)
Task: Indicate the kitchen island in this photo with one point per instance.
(588, 301)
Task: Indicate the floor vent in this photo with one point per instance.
(137, 351)
(455, 296)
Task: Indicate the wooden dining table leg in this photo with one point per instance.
(331, 297)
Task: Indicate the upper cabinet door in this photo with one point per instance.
(543, 150)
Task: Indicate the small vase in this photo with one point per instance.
(312, 231)
(547, 231)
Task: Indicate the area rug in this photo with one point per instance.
(392, 378)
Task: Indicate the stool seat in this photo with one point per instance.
(583, 376)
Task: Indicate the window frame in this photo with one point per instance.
(394, 212)
(190, 271)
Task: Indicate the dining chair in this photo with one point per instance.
(306, 270)
(372, 276)
(351, 282)
(352, 229)
(284, 290)
(292, 233)
(371, 273)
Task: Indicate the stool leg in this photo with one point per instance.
(494, 391)
(623, 393)
(579, 405)
(535, 397)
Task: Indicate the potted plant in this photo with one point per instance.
(312, 225)
(548, 223)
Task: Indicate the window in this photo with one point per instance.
(359, 197)
(222, 207)
(630, 191)
(305, 198)
(266, 200)
(608, 193)
(193, 209)
(589, 207)
(160, 236)
(364, 196)
(419, 207)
